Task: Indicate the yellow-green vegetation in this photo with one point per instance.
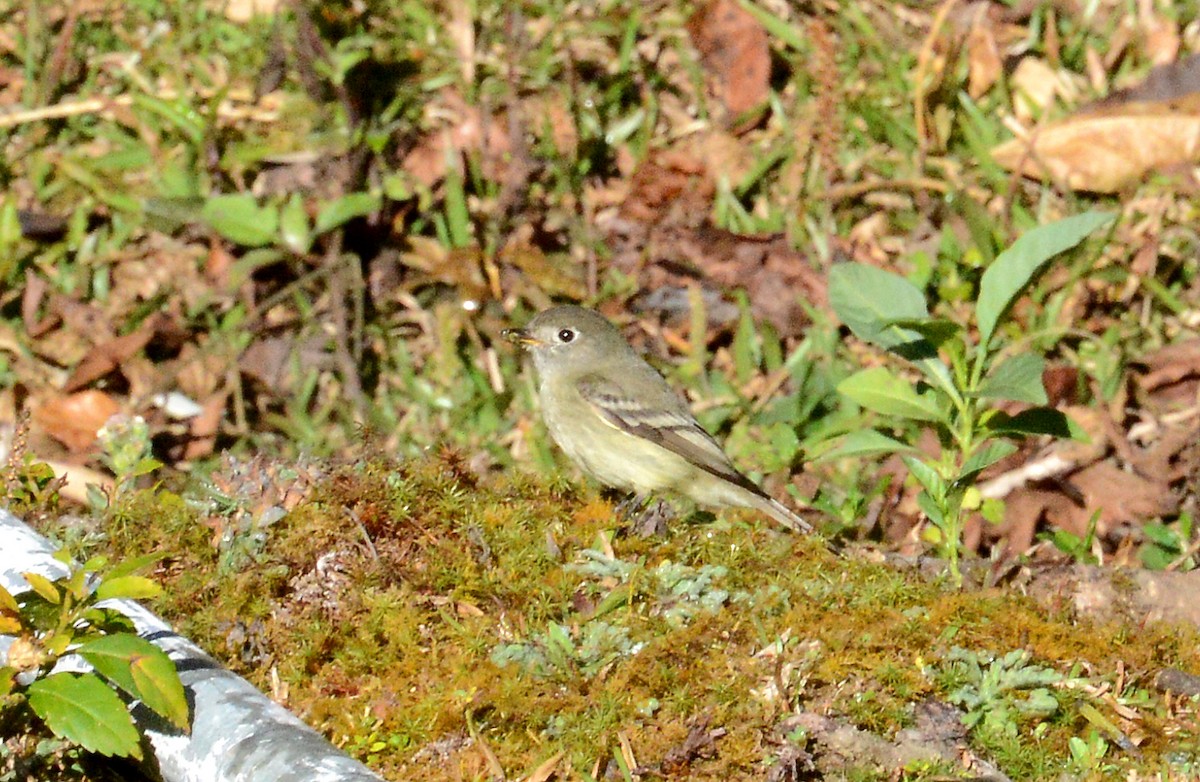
(441, 625)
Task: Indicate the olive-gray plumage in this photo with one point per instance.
(619, 420)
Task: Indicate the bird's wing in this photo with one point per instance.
(668, 424)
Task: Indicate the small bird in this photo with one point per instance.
(619, 420)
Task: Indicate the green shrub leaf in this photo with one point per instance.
(936, 330)
(141, 669)
(132, 587)
(83, 709)
(867, 442)
(239, 218)
(879, 390)
(1018, 378)
(870, 301)
(1016, 266)
(1035, 421)
(342, 210)
(887, 310)
(294, 228)
(985, 457)
(926, 476)
(44, 587)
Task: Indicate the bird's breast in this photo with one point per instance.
(605, 452)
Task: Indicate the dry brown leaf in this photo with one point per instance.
(74, 419)
(723, 155)
(1120, 496)
(671, 186)
(1171, 364)
(108, 355)
(548, 113)
(1104, 154)
(547, 769)
(241, 11)
(1160, 35)
(552, 278)
(984, 65)
(201, 371)
(1171, 382)
(76, 479)
(204, 427)
(267, 362)
(458, 126)
(734, 48)
(1024, 511)
(1035, 85)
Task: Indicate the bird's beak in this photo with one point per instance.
(521, 337)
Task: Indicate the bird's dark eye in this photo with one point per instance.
(566, 335)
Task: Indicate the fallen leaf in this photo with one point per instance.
(457, 127)
(670, 186)
(984, 65)
(108, 355)
(241, 11)
(1035, 85)
(1122, 497)
(734, 49)
(74, 419)
(1104, 154)
(1160, 35)
(203, 428)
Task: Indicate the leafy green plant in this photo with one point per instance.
(1088, 754)
(125, 449)
(1077, 547)
(1168, 544)
(241, 219)
(61, 619)
(672, 590)
(563, 653)
(997, 690)
(961, 377)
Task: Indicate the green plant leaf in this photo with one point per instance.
(294, 228)
(925, 475)
(866, 442)
(1018, 378)
(44, 587)
(1016, 266)
(936, 330)
(342, 210)
(85, 710)
(985, 457)
(458, 218)
(931, 509)
(134, 564)
(131, 587)
(7, 601)
(1037, 421)
(239, 218)
(141, 669)
(10, 234)
(879, 390)
(870, 301)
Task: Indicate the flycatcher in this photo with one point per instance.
(617, 418)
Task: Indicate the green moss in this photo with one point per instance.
(389, 644)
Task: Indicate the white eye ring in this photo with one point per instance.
(566, 335)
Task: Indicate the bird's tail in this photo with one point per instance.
(777, 511)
